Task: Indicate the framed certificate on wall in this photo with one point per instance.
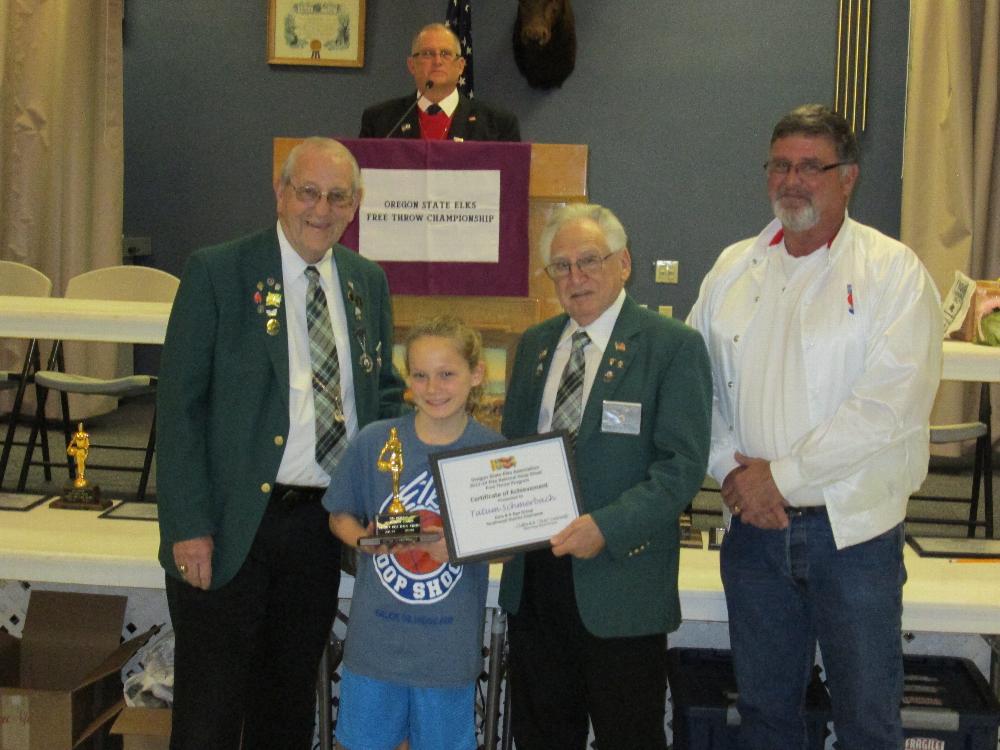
(316, 32)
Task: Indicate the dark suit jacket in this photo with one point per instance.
(222, 403)
(634, 486)
(473, 121)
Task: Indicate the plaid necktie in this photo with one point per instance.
(568, 409)
(330, 429)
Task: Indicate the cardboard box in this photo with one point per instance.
(60, 684)
(143, 728)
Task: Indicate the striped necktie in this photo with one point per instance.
(329, 408)
(568, 409)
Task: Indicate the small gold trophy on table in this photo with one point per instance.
(80, 494)
(398, 525)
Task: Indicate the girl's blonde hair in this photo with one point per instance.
(467, 341)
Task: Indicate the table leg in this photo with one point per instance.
(986, 446)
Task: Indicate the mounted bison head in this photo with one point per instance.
(545, 41)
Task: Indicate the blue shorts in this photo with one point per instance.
(378, 715)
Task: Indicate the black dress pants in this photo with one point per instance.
(247, 653)
(560, 673)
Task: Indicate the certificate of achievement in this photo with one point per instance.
(504, 498)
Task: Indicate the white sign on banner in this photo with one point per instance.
(430, 215)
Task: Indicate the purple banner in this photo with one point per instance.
(508, 277)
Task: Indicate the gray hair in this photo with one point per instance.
(335, 149)
(611, 227)
(819, 120)
(436, 27)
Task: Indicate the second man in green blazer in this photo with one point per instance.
(589, 616)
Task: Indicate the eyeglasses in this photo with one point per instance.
(806, 169)
(429, 54)
(588, 264)
(310, 195)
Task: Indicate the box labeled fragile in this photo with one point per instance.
(947, 705)
(60, 684)
(703, 695)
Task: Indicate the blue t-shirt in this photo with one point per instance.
(413, 620)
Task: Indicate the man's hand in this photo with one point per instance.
(193, 558)
(581, 538)
(749, 492)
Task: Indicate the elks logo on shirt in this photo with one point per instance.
(415, 577)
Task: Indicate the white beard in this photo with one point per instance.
(796, 219)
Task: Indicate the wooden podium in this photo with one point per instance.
(558, 176)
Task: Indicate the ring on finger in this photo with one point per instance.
(183, 569)
(736, 509)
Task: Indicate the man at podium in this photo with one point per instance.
(439, 111)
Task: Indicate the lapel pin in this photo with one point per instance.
(608, 376)
(406, 127)
(619, 346)
(366, 363)
(272, 326)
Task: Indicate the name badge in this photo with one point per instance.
(622, 417)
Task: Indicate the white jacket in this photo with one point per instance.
(872, 374)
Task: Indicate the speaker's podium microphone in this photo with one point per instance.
(427, 87)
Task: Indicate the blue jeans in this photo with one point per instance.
(787, 589)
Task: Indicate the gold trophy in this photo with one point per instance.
(397, 523)
(80, 494)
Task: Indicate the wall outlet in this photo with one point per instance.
(667, 271)
(136, 247)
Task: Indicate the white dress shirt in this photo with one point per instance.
(298, 462)
(449, 104)
(600, 334)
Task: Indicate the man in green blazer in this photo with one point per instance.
(252, 571)
(589, 616)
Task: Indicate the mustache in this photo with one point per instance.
(793, 192)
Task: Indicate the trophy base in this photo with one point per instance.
(390, 539)
(81, 498)
(397, 524)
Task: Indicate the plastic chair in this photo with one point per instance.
(117, 283)
(19, 280)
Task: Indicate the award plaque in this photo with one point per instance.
(80, 494)
(500, 499)
(397, 525)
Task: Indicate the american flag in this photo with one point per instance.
(459, 19)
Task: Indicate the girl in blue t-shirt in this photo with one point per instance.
(413, 649)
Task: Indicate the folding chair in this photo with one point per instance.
(982, 476)
(19, 280)
(117, 283)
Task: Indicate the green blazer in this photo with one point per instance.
(222, 397)
(634, 486)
